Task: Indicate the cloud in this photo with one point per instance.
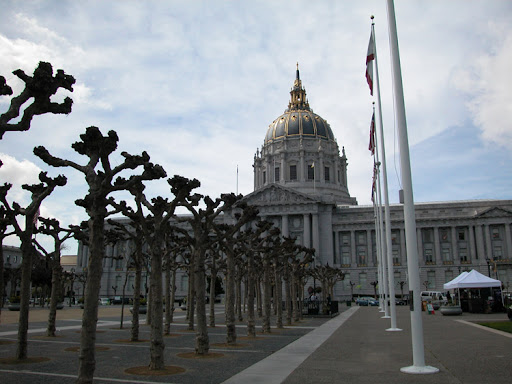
(18, 173)
(487, 88)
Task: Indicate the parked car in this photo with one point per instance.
(400, 302)
(367, 301)
(119, 300)
(104, 301)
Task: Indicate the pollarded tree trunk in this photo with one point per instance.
(279, 298)
(239, 296)
(258, 297)
(191, 300)
(168, 288)
(56, 283)
(230, 298)
(123, 296)
(213, 281)
(157, 340)
(251, 328)
(295, 309)
(202, 339)
(26, 271)
(87, 362)
(173, 295)
(267, 291)
(136, 301)
(288, 296)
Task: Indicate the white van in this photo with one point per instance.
(433, 296)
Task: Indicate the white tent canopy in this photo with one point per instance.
(472, 279)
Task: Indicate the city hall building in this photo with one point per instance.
(300, 184)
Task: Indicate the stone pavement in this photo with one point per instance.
(353, 347)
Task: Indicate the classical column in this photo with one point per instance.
(284, 225)
(370, 248)
(508, 252)
(437, 247)
(480, 249)
(488, 243)
(307, 231)
(472, 243)
(321, 176)
(337, 254)
(316, 234)
(403, 252)
(302, 166)
(353, 255)
(282, 173)
(455, 247)
(419, 240)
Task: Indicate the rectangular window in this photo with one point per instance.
(427, 235)
(396, 279)
(345, 239)
(446, 252)
(497, 252)
(264, 177)
(311, 172)
(461, 234)
(184, 283)
(346, 281)
(448, 276)
(429, 255)
(362, 280)
(495, 233)
(395, 237)
(345, 257)
(396, 257)
(431, 279)
(361, 256)
(293, 172)
(361, 237)
(327, 174)
(276, 175)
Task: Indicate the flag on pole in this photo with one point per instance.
(370, 56)
(371, 145)
(374, 180)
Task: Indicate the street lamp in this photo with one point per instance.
(488, 266)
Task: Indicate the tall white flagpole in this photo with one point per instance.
(389, 249)
(382, 241)
(418, 352)
(378, 245)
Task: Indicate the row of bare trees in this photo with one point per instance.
(221, 235)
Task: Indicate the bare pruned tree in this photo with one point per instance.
(39, 193)
(40, 88)
(102, 179)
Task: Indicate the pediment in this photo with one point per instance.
(494, 212)
(274, 194)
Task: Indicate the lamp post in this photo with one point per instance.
(488, 266)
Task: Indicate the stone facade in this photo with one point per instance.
(300, 184)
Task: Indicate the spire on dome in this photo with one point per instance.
(298, 95)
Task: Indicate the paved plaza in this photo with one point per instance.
(353, 347)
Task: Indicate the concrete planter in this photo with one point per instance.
(451, 311)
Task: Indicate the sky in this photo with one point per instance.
(195, 84)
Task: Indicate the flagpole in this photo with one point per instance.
(418, 352)
(389, 250)
(382, 242)
(379, 256)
